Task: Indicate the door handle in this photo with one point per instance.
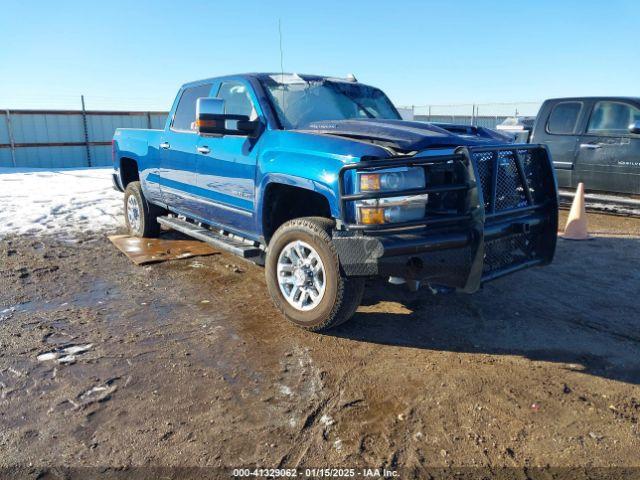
(590, 146)
(203, 150)
(165, 145)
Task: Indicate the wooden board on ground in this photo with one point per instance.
(150, 250)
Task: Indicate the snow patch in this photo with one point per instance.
(61, 202)
(326, 420)
(285, 390)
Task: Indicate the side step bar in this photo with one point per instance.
(228, 244)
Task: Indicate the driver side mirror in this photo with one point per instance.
(211, 119)
(635, 128)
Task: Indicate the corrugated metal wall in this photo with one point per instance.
(58, 138)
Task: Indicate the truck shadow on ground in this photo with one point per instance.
(580, 311)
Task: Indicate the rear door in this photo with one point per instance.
(179, 155)
(609, 155)
(227, 164)
(561, 137)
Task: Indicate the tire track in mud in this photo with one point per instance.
(318, 420)
(598, 327)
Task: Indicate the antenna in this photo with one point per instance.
(281, 62)
(281, 53)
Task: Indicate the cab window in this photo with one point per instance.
(237, 100)
(185, 115)
(612, 118)
(564, 118)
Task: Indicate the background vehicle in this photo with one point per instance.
(518, 127)
(471, 131)
(595, 140)
(320, 180)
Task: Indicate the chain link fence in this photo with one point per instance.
(478, 114)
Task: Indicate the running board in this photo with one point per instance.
(231, 245)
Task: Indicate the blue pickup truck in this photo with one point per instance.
(319, 180)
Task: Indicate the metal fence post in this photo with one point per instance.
(11, 139)
(86, 131)
(429, 113)
(149, 120)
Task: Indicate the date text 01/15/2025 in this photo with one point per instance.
(315, 473)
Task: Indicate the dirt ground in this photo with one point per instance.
(190, 365)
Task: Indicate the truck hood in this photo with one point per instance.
(400, 135)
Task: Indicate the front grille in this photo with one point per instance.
(511, 180)
(503, 252)
(500, 179)
(534, 172)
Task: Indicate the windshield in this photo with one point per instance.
(299, 102)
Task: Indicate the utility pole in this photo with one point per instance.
(11, 139)
(86, 131)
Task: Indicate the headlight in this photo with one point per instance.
(391, 209)
(404, 178)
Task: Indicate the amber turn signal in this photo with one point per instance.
(369, 182)
(371, 216)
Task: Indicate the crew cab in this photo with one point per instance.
(593, 140)
(319, 180)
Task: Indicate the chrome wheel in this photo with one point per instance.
(301, 275)
(133, 213)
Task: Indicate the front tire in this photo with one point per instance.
(140, 215)
(304, 277)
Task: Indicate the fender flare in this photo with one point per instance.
(299, 182)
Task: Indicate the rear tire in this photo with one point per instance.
(140, 215)
(308, 287)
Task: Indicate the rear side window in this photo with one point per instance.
(612, 118)
(186, 111)
(564, 118)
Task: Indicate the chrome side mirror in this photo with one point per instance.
(211, 119)
(208, 113)
(635, 128)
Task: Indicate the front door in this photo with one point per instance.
(179, 156)
(562, 139)
(609, 155)
(227, 165)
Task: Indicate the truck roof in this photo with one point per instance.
(593, 98)
(260, 75)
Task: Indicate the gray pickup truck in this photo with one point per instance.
(594, 140)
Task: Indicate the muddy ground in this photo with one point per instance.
(191, 365)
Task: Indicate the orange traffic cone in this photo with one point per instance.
(576, 228)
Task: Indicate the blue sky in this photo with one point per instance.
(135, 54)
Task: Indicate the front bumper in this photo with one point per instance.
(463, 260)
(485, 239)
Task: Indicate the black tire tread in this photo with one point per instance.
(349, 291)
(150, 212)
